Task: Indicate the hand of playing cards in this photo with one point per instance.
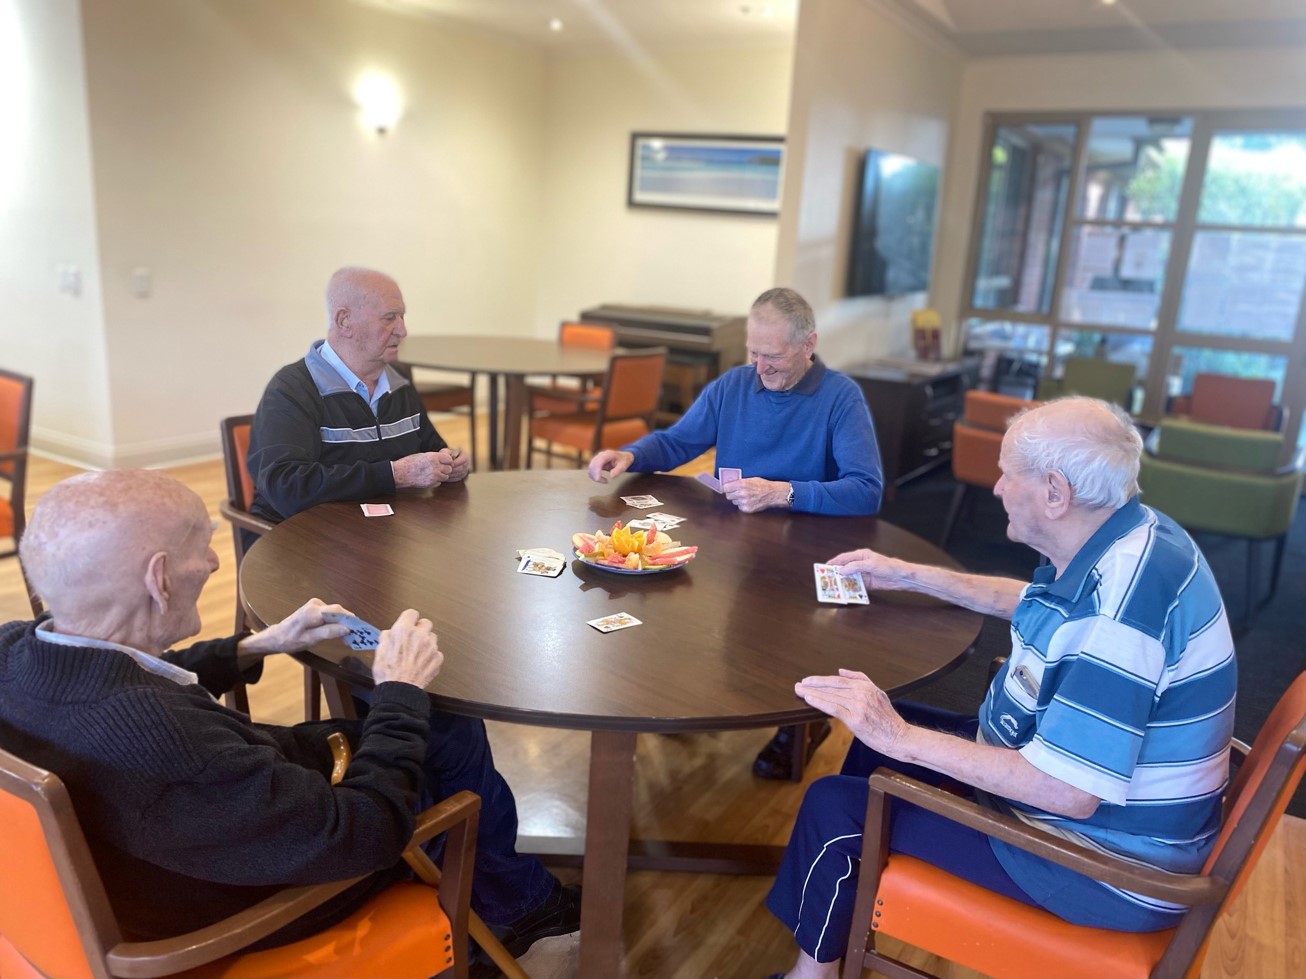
(837, 588)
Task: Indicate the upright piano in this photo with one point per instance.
(694, 338)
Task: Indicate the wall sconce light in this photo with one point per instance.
(378, 96)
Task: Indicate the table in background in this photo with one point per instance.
(722, 642)
(511, 358)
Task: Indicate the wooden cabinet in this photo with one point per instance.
(913, 405)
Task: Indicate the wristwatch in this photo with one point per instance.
(789, 500)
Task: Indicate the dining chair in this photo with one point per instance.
(440, 396)
(15, 429)
(1226, 481)
(630, 394)
(56, 919)
(1222, 399)
(568, 394)
(1091, 377)
(925, 907)
(235, 509)
(976, 444)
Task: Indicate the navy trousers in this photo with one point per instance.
(505, 883)
(817, 882)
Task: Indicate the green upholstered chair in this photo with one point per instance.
(1093, 378)
(1224, 481)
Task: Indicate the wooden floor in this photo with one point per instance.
(681, 926)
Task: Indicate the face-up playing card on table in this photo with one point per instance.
(361, 635)
(665, 521)
(542, 565)
(730, 475)
(614, 622)
(641, 502)
(837, 588)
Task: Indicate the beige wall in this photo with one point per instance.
(230, 162)
(47, 220)
(599, 249)
(1145, 80)
(862, 78)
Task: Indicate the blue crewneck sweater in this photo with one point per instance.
(817, 435)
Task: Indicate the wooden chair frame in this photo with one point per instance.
(17, 457)
(235, 509)
(1204, 893)
(110, 956)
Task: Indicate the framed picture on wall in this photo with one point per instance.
(737, 174)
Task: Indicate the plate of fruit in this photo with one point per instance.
(625, 551)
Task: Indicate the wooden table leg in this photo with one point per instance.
(513, 410)
(607, 840)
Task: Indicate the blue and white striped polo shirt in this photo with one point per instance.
(1121, 682)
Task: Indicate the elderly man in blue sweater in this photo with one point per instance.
(800, 433)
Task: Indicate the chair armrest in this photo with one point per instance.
(243, 518)
(149, 960)
(13, 456)
(1188, 889)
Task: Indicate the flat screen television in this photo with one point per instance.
(893, 229)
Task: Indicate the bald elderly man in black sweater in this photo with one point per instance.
(192, 811)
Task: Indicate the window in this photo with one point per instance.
(1176, 243)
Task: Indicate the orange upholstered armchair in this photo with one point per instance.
(923, 906)
(1238, 402)
(568, 394)
(976, 442)
(56, 920)
(624, 413)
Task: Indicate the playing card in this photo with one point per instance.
(730, 475)
(710, 481)
(540, 552)
(545, 567)
(641, 502)
(828, 584)
(362, 635)
(838, 588)
(854, 590)
(665, 521)
(614, 622)
(646, 523)
(377, 509)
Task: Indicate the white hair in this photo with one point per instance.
(1092, 443)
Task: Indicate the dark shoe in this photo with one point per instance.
(775, 761)
(558, 915)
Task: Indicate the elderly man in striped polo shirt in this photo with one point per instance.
(1109, 724)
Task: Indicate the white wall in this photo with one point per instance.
(863, 77)
(230, 162)
(1144, 80)
(47, 219)
(597, 249)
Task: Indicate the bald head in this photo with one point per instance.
(91, 538)
(365, 320)
(1092, 443)
(352, 288)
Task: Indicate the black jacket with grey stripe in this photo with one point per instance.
(316, 441)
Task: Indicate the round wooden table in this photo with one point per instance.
(722, 642)
(511, 358)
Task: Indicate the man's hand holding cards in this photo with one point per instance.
(836, 587)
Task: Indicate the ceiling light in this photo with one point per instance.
(1108, 3)
(555, 24)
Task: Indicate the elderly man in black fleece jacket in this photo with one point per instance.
(192, 811)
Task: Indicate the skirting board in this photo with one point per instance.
(154, 454)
